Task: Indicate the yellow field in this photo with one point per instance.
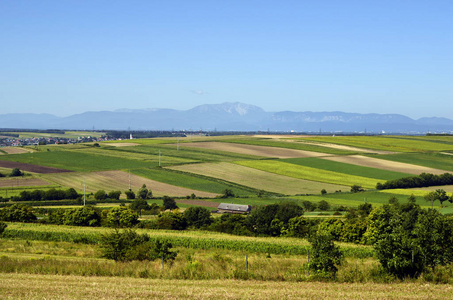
(32, 286)
(258, 179)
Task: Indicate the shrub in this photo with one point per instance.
(172, 220)
(198, 216)
(100, 195)
(17, 213)
(357, 188)
(130, 195)
(323, 205)
(325, 256)
(114, 195)
(120, 217)
(144, 193)
(169, 203)
(16, 172)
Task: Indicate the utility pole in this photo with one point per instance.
(159, 157)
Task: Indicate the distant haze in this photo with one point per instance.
(230, 117)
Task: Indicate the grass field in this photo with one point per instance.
(387, 143)
(33, 286)
(309, 173)
(345, 168)
(431, 160)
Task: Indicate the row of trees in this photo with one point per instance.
(422, 180)
(51, 194)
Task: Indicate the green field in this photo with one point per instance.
(431, 160)
(386, 143)
(309, 173)
(192, 181)
(350, 169)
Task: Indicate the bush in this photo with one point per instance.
(120, 217)
(325, 256)
(357, 188)
(169, 203)
(100, 195)
(323, 205)
(114, 195)
(2, 227)
(16, 172)
(198, 216)
(130, 195)
(172, 220)
(17, 213)
(144, 193)
(125, 246)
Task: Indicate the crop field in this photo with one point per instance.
(384, 164)
(263, 151)
(269, 142)
(119, 180)
(21, 181)
(308, 173)
(15, 150)
(191, 181)
(429, 160)
(347, 168)
(190, 154)
(258, 179)
(388, 143)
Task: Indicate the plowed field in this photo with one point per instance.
(30, 167)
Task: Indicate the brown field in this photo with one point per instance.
(384, 164)
(30, 167)
(258, 179)
(12, 182)
(15, 150)
(33, 286)
(119, 180)
(255, 150)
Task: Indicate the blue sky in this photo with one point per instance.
(67, 57)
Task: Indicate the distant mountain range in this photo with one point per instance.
(230, 117)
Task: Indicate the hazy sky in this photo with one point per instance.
(65, 57)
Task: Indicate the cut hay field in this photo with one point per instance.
(260, 180)
(307, 173)
(22, 181)
(15, 150)
(34, 286)
(385, 164)
(119, 180)
(256, 150)
(386, 143)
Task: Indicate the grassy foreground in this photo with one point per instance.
(32, 286)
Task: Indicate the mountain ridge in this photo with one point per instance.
(229, 117)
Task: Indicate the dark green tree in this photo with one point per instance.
(16, 172)
(130, 195)
(169, 203)
(120, 217)
(100, 195)
(198, 216)
(17, 213)
(325, 256)
(144, 193)
(114, 195)
(172, 220)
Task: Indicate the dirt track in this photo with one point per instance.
(30, 167)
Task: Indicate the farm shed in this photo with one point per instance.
(233, 208)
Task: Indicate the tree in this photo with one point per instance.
(71, 194)
(144, 193)
(82, 216)
(17, 213)
(100, 195)
(323, 205)
(439, 194)
(198, 216)
(139, 204)
(357, 188)
(130, 195)
(121, 217)
(114, 195)
(228, 193)
(2, 227)
(325, 255)
(16, 172)
(169, 203)
(172, 220)
(124, 245)
(323, 192)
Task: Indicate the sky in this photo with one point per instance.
(66, 57)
